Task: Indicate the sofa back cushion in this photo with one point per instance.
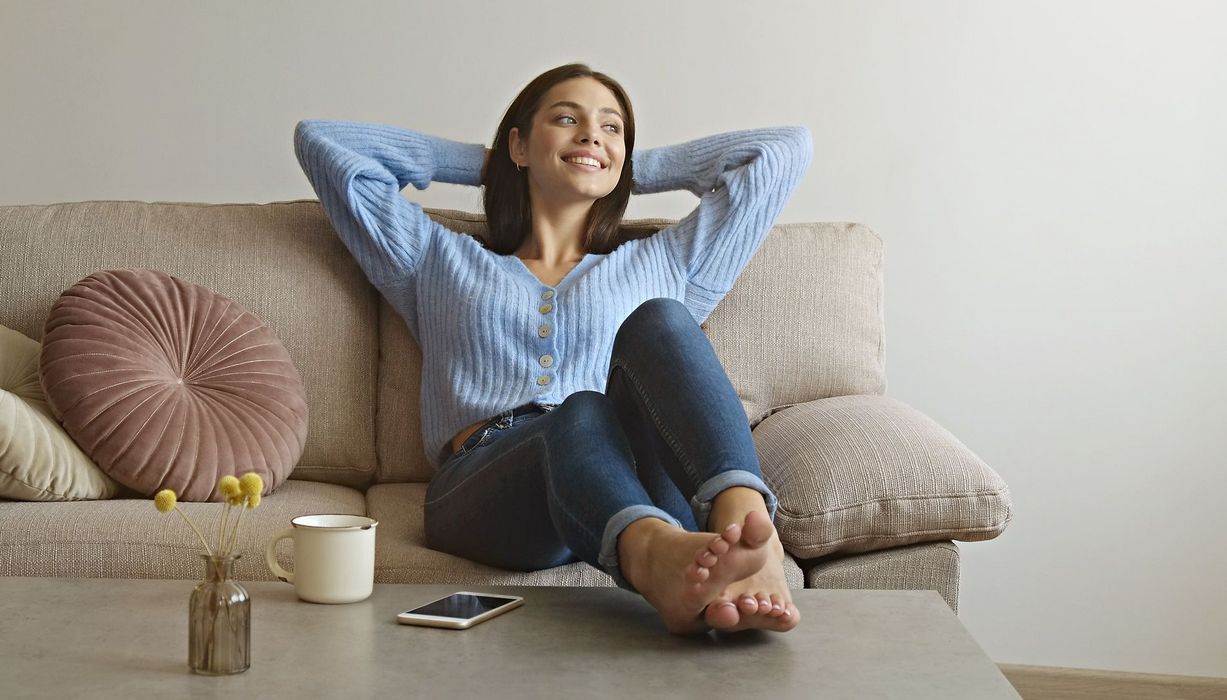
(282, 261)
(803, 322)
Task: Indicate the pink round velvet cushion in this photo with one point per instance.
(165, 384)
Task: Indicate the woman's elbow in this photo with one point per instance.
(802, 142)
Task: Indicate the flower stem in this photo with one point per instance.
(221, 542)
(221, 526)
(194, 529)
(234, 535)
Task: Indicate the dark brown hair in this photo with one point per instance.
(506, 199)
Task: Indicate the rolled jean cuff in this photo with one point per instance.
(701, 503)
(608, 558)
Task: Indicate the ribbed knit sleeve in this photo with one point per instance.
(743, 180)
(358, 171)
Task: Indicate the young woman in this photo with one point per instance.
(571, 405)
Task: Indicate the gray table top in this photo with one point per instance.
(121, 638)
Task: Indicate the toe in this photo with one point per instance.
(731, 534)
(764, 604)
(791, 617)
(777, 607)
(706, 559)
(718, 546)
(721, 614)
(747, 605)
(696, 573)
(757, 529)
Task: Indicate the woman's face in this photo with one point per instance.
(578, 118)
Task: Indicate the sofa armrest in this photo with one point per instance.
(867, 472)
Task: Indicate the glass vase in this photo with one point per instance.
(219, 621)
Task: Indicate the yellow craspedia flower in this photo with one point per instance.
(165, 501)
(251, 484)
(235, 500)
(229, 487)
(253, 501)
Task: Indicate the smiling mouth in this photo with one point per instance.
(587, 167)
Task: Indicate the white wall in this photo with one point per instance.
(1049, 179)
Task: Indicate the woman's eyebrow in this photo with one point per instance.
(572, 105)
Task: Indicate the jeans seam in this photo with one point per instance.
(682, 458)
(455, 487)
(545, 457)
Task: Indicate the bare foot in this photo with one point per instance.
(759, 601)
(680, 572)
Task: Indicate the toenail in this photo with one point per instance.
(730, 527)
(749, 601)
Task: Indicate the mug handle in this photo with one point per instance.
(270, 556)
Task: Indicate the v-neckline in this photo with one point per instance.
(576, 270)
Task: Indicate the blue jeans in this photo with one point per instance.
(542, 486)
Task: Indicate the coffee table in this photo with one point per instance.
(128, 638)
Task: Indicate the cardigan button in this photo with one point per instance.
(544, 330)
(547, 361)
(547, 295)
(546, 308)
(543, 380)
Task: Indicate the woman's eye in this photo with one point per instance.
(615, 127)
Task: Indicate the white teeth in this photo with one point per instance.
(583, 161)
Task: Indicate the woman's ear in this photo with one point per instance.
(515, 146)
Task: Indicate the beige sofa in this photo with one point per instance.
(872, 492)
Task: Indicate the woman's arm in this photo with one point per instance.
(743, 180)
(358, 171)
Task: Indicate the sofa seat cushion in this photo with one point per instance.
(38, 460)
(862, 473)
(129, 538)
(167, 385)
(401, 555)
(929, 566)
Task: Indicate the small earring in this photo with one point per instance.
(518, 168)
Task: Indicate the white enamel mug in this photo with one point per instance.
(334, 557)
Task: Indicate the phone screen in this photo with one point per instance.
(461, 605)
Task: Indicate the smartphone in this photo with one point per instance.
(460, 610)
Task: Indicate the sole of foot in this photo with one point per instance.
(689, 569)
